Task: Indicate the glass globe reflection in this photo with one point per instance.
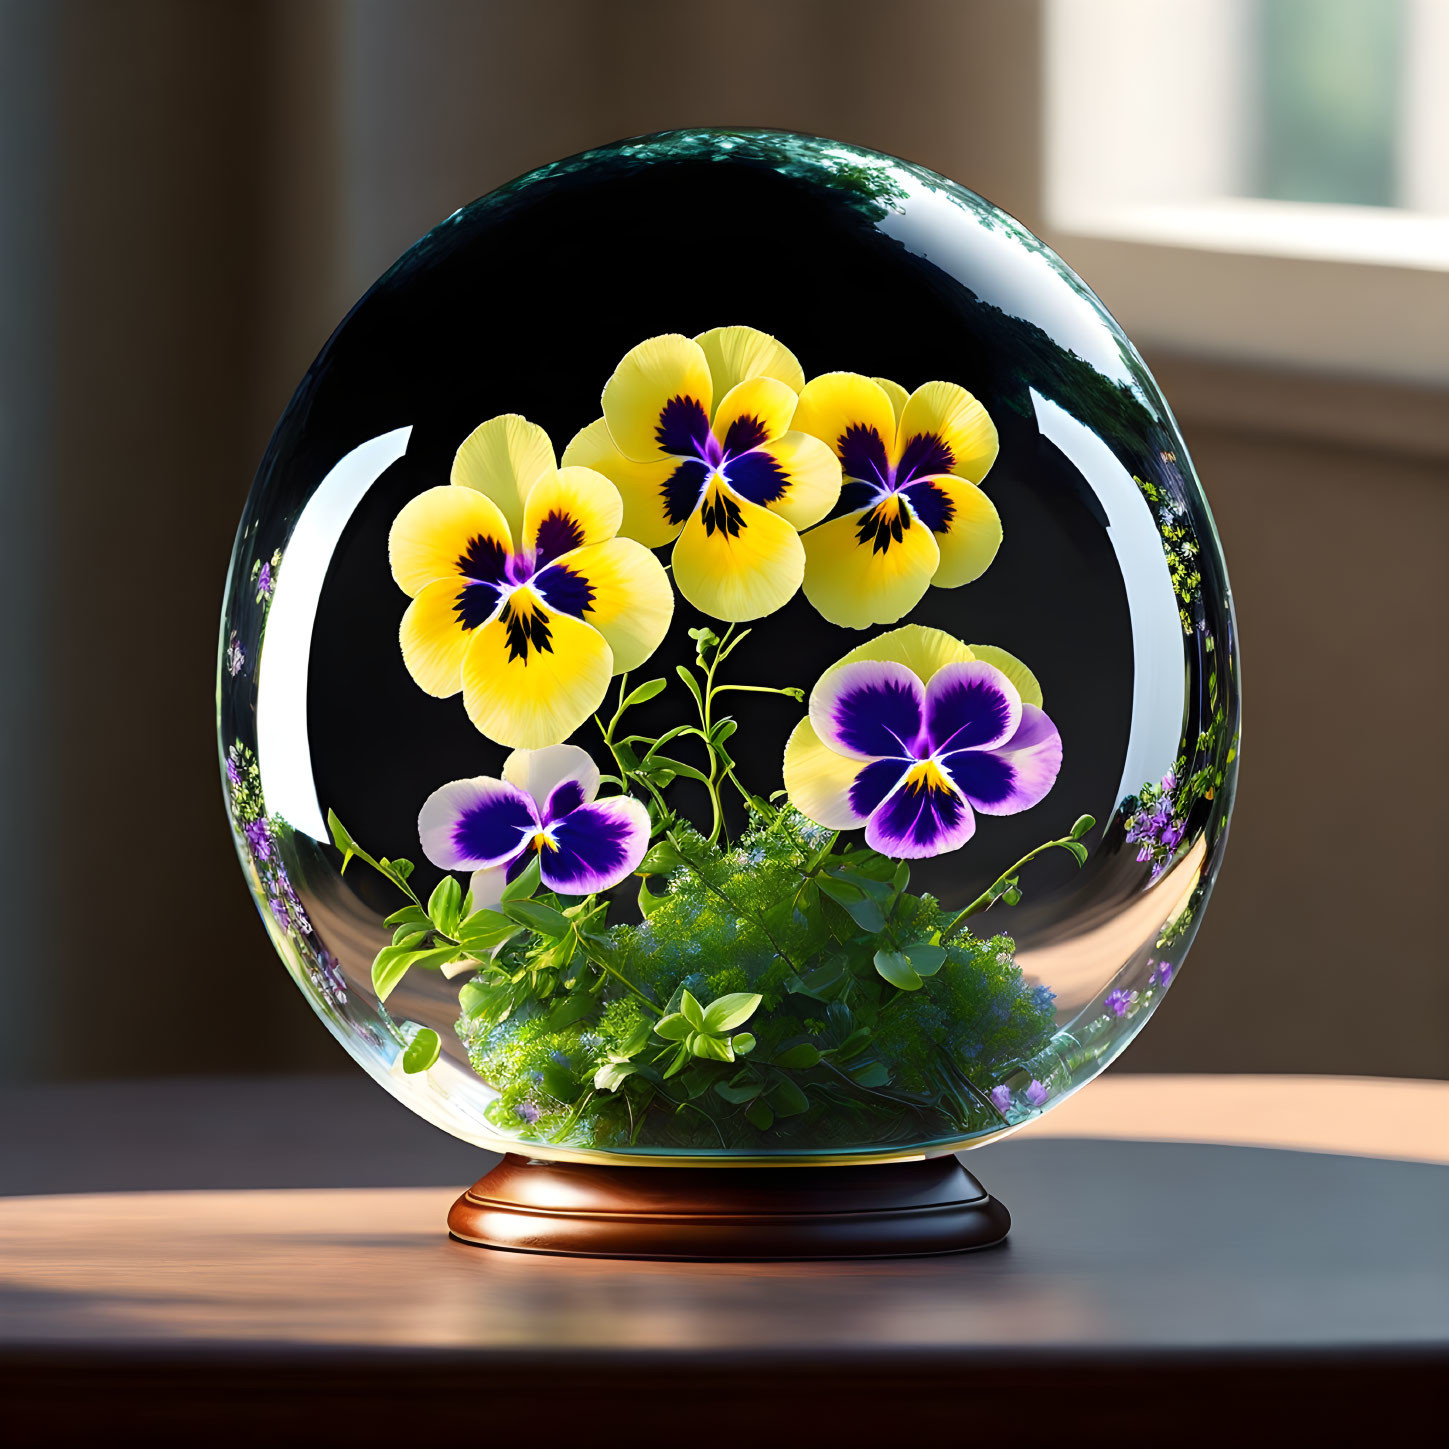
(756, 691)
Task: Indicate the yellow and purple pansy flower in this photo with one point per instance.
(913, 734)
(544, 807)
(522, 596)
(698, 436)
(912, 514)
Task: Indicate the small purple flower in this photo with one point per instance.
(1036, 1094)
(264, 582)
(915, 762)
(527, 1112)
(279, 910)
(543, 807)
(1117, 1002)
(235, 655)
(1161, 974)
(233, 775)
(1169, 781)
(259, 837)
(1001, 1097)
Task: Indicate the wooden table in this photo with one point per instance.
(1152, 1291)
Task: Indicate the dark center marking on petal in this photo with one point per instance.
(884, 525)
(924, 454)
(983, 777)
(493, 828)
(567, 591)
(682, 427)
(558, 534)
(484, 559)
(879, 719)
(923, 809)
(527, 628)
(874, 783)
(757, 476)
(682, 489)
(744, 433)
(475, 604)
(863, 455)
(721, 512)
(932, 505)
(566, 796)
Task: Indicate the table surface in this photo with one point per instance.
(277, 1248)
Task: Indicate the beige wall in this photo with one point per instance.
(233, 174)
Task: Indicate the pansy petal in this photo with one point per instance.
(921, 650)
(854, 417)
(534, 675)
(630, 603)
(869, 709)
(446, 532)
(736, 354)
(570, 509)
(926, 816)
(752, 413)
(736, 560)
(1012, 667)
(966, 525)
(595, 846)
(871, 567)
(971, 706)
(503, 459)
(641, 485)
(1016, 777)
(818, 780)
(435, 633)
(810, 475)
(659, 398)
(539, 772)
(467, 824)
(896, 393)
(486, 888)
(944, 429)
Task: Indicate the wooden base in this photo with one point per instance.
(698, 1214)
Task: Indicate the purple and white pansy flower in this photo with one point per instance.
(543, 807)
(913, 759)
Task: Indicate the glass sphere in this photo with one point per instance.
(743, 615)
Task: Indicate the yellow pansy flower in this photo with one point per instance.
(697, 434)
(913, 513)
(522, 596)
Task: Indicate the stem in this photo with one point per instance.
(1000, 886)
(618, 975)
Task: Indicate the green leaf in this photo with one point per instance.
(568, 1011)
(537, 917)
(759, 1114)
(1083, 825)
(712, 1048)
(840, 891)
(486, 930)
(737, 1092)
(873, 1074)
(925, 958)
(610, 1077)
(559, 1082)
(524, 884)
(743, 1042)
(730, 1011)
(422, 1051)
(691, 1010)
(687, 676)
(446, 904)
(343, 841)
(391, 964)
(681, 1060)
(787, 1099)
(643, 693)
(409, 915)
(852, 898)
(902, 878)
(798, 1057)
(490, 1001)
(897, 969)
(648, 901)
(659, 764)
(407, 933)
(660, 859)
(1078, 851)
(673, 1028)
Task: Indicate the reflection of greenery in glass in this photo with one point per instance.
(1328, 78)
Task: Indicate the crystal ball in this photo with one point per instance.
(727, 658)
